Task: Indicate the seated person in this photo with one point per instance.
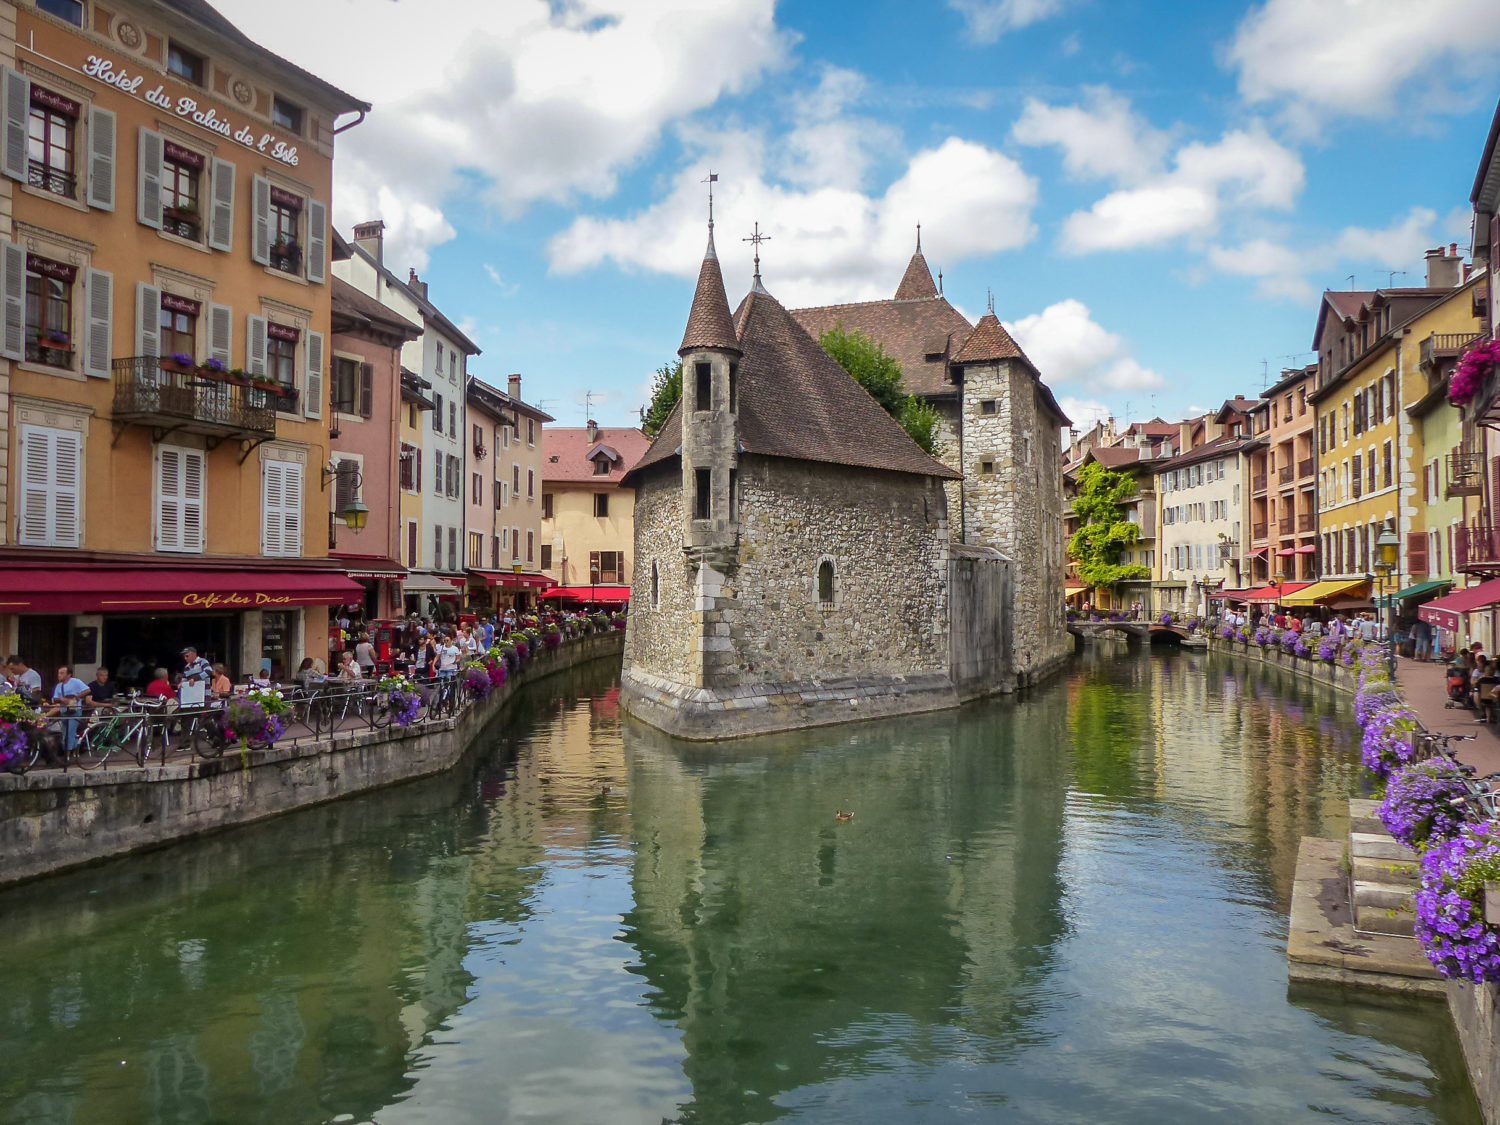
(221, 686)
(103, 691)
(308, 673)
(160, 687)
(63, 716)
(69, 684)
(260, 679)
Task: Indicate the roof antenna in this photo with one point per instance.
(1350, 280)
(1391, 275)
(1265, 374)
(588, 405)
(757, 238)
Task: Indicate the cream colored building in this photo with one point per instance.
(588, 526)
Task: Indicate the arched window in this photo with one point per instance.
(825, 582)
(655, 588)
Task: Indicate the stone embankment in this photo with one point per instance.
(52, 820)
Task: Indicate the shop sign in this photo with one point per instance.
(233, 601)
(184, 105)
(282, 332)
(66, 106)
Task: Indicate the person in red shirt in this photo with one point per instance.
(161, 687)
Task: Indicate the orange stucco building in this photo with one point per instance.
(166, 340)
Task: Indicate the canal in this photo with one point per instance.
(1066, 908)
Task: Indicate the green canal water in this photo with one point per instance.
(1068, 908)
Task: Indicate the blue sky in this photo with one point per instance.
(1155, 193)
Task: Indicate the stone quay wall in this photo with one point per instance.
(54, 820)
(1309, 667)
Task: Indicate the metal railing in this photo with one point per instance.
(1465, 474)
(1284, 525)
(1284, 475)
(146, 390)
(1306, 521)
(1258, 531)
(54, 180)
(1306, 468)
(1258, 483)
(1477, 547)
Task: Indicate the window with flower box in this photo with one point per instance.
(49, 311)
(181, 171)
(179, 328)
(51, 135)
(286, 219)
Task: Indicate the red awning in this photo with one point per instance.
(1255, 554)
(1447, 612)
(614, 595)
(1232, 595)
(1285, 552)
(166, 589)
(1270, 595)
(368, 566)
(511, 580)
(1306, 549)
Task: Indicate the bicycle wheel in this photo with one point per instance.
(381, 715)
(209, 740)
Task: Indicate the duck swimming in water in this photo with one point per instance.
(840, 814)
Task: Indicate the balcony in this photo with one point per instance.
(148, 393)
(1465, 474)
(1258, 532)
(1229, 549)
(1284, 475)
(1306, 522)
(1439, 346)
(1307, 469)
(1477, 548)
(1258, 483)
(1284, 526)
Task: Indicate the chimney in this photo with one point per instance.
(370, 237)
(417, 286)
(1444, 267)
(514, 388)
(1185, 435)
(593, 431)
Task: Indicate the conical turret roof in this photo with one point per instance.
(709, 323)
(916, 283)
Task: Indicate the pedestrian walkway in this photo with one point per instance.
(1425, 689)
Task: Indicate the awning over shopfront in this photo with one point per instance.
(369, 566)
(510, 580)
(1447, 613)
(425, 582)
(1327, 590)
(613, 595)
(1271, 595)
(1286, 552)
(167, 589)
(1419, 590)
(1230, 595)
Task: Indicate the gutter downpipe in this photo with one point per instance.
(340, 128)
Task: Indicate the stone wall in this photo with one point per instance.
(948, 447)
(659, 631)
(1335, 675)
(51, 821)
(1013, 501)
(1475, 1009)
(980, 588)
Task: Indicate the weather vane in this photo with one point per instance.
(757, 238)
(711, 179)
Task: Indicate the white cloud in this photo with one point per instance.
(1083, 412)
(828, 243)
(1323, 58)
(1244, 169)
(1399, 244)
(828, 146)
(1103, 138)
(506, 288)
(1069, 346)
(535, 100)
(987, 20)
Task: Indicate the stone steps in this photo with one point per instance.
(1383, 876)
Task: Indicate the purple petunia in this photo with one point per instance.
(1419, 803)
(1450, 904)
(1389, 740)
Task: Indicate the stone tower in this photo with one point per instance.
(709, 411)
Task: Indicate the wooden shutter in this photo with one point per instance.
(366, 390)
(416, 468)
(260, 220)
(345, 493)
(147, 320)
(312, 385)
(1416, 552)
(168, 502)
(13, 294)
(51, 487)
(101, 312)
(411, 541)
(221, 208)
(255, 344)
(15, 92)
(101, 159)
(281, 520)
(316, 254)
(221, 333)
(148, 186)
(192, 499)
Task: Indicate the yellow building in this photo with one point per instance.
(168, 242)
(588, 525)
(1381, 356)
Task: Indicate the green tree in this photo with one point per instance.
(1105, 533)
(666, 389)
(880, 374)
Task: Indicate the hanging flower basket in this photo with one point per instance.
(1419, 805)
(1477, 364)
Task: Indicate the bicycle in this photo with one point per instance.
(110, 732)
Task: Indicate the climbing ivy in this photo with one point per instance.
(1105, 533)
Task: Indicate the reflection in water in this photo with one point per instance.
(1070, 906)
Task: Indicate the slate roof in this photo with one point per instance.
(990, 341)
(709, 324)
(570, 445)
(794, 401)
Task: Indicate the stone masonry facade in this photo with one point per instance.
(1012, 497)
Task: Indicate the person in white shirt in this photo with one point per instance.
(448, 657)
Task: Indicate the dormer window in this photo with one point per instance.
(187, 65)
(601, 466)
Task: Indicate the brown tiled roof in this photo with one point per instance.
(709, 324)
(566, 449)
(1114, 456)
(794, 401)
(916, 282)
(990, 341)
(1219, 447)
(910, 331)
(360, 311)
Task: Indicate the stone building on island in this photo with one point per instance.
(795, 563)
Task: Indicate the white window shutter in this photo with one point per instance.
(260, 221)
(67, 487)
(15, 92)
(281, 520)
(317, 241)
(36, 486)
(193, 470)
(292, 506)
(312, 386)
(13, 296)
(101, 311)
(221, 214)
(101, 159)
(147, 321)
(255, 344)
(168, 503)
(270, 520)
(221, 333)
(148, 189)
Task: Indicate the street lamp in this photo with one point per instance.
(354, 513)
(1387, 549)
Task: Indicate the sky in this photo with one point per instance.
(1153, 195)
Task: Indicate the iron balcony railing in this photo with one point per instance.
(1284, 525)
(149, 393)
(1284, 474)
(1306, 468)
(1258, 531)
(1229, 548)
(1465, 474)
(55, 180)
(1258, 483)
(1477, 548)
(1305, 522)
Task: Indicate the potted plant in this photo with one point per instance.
(178, 361)
(285, 253)
(213, 368)
(1450, 904)
(238, 377)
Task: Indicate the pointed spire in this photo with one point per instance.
(709, 323)
(916, 283)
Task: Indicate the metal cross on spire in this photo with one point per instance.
(757, 238)
(711, 179)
